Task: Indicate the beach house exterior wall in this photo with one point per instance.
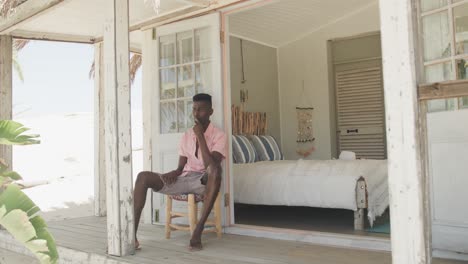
(404, 112)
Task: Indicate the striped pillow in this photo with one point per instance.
(267, 148)
(242, 150)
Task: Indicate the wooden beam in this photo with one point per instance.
(99, 144)
(203, 3)
(198, 11)
(24, 12)
(149, 65)
(6, 92)
(443, 90)
(47, 36)
(118, 149)
(405, 167)
(165, 16)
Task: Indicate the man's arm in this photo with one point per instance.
(214, 157)
(171, 177)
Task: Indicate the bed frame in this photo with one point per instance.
(255, 123)
(361, 202)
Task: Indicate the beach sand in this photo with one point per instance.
(65, 160)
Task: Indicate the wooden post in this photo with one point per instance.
(6, 91)
(118, 147)
(149, 68)
(405, 167)
(361, 202)
(99, 145)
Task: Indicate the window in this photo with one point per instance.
(444, 25)
(184, 70)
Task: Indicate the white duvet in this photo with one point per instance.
(314, 183)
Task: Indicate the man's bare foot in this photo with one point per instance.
(195, 245)
(137, 245)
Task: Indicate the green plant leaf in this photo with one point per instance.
(18, 216)
(14, 198)
(11, 133)
(12, 175)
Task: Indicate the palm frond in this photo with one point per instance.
(135, 64)
(11, 133)
(18, 69)
(19, 44)
(92, 70)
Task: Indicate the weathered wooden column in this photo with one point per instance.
(99, 144)
(118, 151)
(6, 91)
(149, 112)
(405, 164)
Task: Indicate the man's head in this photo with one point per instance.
(202, 109)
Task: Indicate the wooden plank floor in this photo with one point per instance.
(88, 234)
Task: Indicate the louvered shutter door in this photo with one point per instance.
(361, 116)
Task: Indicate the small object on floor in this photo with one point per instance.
(383, 228)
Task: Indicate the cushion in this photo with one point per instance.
(242, 150)
(184, 197)
(266, 147)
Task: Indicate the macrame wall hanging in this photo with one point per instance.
(305, 136)
(244, 93)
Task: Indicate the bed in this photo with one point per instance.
(263, 177)
(358, 185)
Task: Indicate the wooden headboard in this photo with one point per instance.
(248, 123)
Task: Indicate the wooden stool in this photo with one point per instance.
(213, 224)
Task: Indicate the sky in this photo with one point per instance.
(56, 80)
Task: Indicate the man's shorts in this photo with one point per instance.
(190, 183)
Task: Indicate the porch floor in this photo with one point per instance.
(83, 240)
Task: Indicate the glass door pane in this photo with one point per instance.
(428, 5)
(202, 44)
(460, 17)
(203, 77)
(462, 74)
(185, 47)
(439, 72)
(185, 83)
(167, 83)
(166, 51)
(436, 36)
(168, 117)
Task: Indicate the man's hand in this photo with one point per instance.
(198, 128)
(169, 179)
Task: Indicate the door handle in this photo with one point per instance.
(352, 130)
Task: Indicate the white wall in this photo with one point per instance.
(261, 74)
(306, 59)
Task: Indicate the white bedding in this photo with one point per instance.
(314, 183)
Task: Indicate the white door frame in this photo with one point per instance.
(151, 84)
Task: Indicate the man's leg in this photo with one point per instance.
(145, 180)
(211, 192)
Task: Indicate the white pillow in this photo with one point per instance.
(347, 155)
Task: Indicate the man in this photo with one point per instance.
(201, 151)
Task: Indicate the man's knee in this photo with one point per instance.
(142, 177)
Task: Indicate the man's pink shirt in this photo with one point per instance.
(215, 140)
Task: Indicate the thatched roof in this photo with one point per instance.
(8, 6)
